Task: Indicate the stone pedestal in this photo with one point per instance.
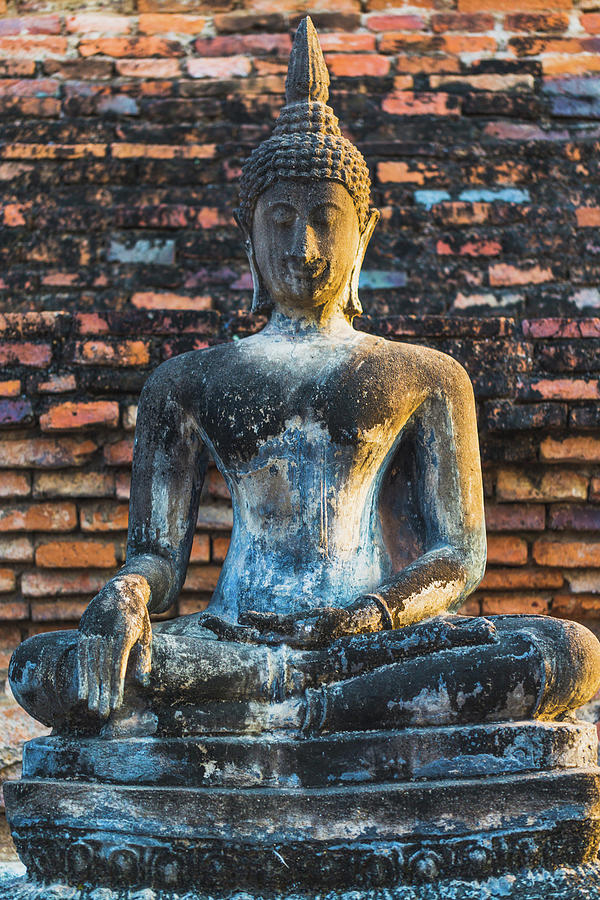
(271, 814)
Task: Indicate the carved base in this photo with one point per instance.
(270, 815)
(579, 883)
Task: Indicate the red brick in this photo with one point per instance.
(76, 554)
(395, 22)
(10, 635)
(156, 300)
(202, 578)
(164, 151)
(561, 328)
(148, 68)
(200, 549)
(251, 44)
(217, 487)
(103, 353)
(57, 384)
(515, 517)
(15, 412)
(36, 47)
(514, 604)
(221, 67)
(104, 516)
(513, 5)
(575, 606)
(468, 22)
(25, 353)
(119, 454)
(73, 484)
(13, 610)
(191, 604)
(540, 22)
(136, 47)
(468, 43)
(122, 485)
(401, 42)
(407, 173)
(57, 611)
(469, 248)
(15, 68)
(408, 103)
(52, 151)
(507, 551)
(16, 549)
(561, 484)
(170, 23)
(559, 389)
(581, 64)
(570, 449)
(569, 554)
(588, 216)
(60, 584)
(342, 42)
(85, 23)
(590, 22)
(69, 415)
(45, 453)
(502, 274)
(535, 46)
(220, 546)
(8, 581)
(519, 579)
(572, 517)
(39, 517)
(130, 417)
(426, 65)
(357, 65)
(14, 484)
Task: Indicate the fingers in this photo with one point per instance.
(119, 669)
(82, 667)
(105, 651)
(144, 658)
(93, 672)
(268, 622)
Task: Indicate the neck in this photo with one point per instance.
(327, 320)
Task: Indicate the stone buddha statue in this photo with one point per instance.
(354, 472)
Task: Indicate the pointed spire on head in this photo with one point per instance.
(307, 76)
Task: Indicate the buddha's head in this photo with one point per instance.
(305, 197)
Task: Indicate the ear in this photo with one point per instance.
(354, 306)
(261, 302)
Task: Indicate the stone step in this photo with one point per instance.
(348, 813)
(352, 758)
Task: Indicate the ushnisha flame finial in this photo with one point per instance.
(307, 76)
(306, 141)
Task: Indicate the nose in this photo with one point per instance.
(304, 247)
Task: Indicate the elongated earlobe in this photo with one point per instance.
(353, 306)
(261, 302)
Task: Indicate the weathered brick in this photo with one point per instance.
(84, 414)
(537, 22)
(406, 173)
(45, 453)
(575, 448)
(520, 579)
(24, 353)
(342, 42)
(559, 388)
(60, 584)
(89, 554)
(396, 22)
(514, 604)
(220, 546)
(357, 65)
(104, 516)
(561, 328)
(10, 388)
(588, 216)
(574, 518)
(541, 486)
(220, 67)
(575, 606)
(505, 415)
(38, 517)
(57, 611)
(507, 551)
(73, 484)
(567, 553)
(584, 582)
(120, 453)
(15, 412)
(202, 578)
(10, 635)
(409, 103)
(104, 23)
(135, 46)
(8, 581)
(16, 549)
(468, 22)
(590, 22)
(13, 610)
(57, 384)
(160, 300)
(503, 274)
(14, 484)
(515, 517)
(122, 485)
(200, 549)
(148, 68)
(121, 353)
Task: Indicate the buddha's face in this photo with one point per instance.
(306, 236)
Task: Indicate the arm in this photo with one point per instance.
(449, 499)
(168, 471)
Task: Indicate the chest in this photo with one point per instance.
(348, 399)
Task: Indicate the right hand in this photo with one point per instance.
(115, 621)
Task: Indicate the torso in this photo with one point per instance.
(302, 429)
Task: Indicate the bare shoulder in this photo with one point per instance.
(425, 368)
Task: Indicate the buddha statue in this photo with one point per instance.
(358, 531)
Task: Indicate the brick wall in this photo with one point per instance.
(122, 131)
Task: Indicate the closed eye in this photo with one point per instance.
(283, 214)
